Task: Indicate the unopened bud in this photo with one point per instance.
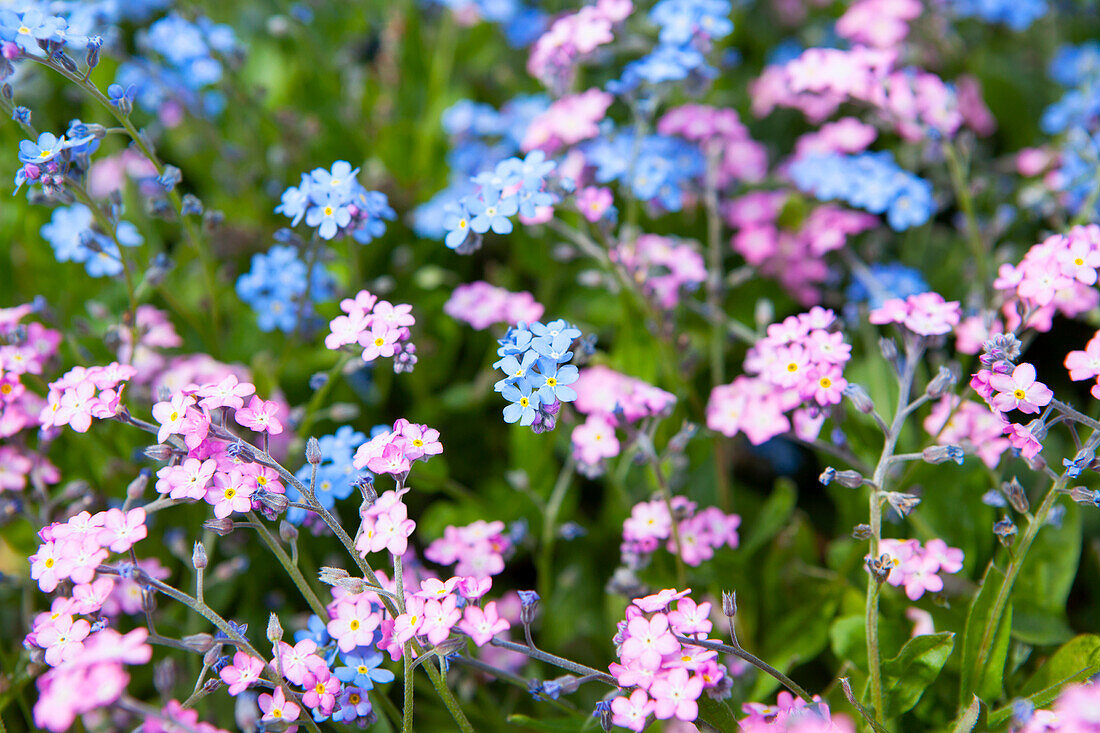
(200, 643)
(287, 531)
(943, 454)
(529, 605)
(148, 600)
(241, 451)
(859, 398)
(729, 603)
(889, 350)
(862, 532)
(159, 452)
(678, 443)
(943, 381)
(903, 503)
(220, 527)
(274, 629)
(164, 676)
(275, 502)
(1016, 496)
(1005, 531)
(92, 57)
(199, 559)
(366, 488)
(848, 479)
(136, 488)
(881, 566)
(313, 451)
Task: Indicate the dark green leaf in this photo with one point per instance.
(906, 676)
(773, 517)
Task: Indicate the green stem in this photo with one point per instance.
(966, 203)
(549, 527)
(407, 710)
(292, 570)
(755, 661)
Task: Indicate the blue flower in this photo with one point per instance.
(491, 211)
(329, 216)
(315, 631)
(46, 148)
(457, 223)
(352, 704)
(555, 380)
(524, 404)
(516, 370)
(555, 348)
(361, 668)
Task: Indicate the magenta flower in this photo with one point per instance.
(379, 341)
(260, 416)
(659, 601)
(230, 493)
(120, 531)
(674, 695)
(276, 707)
(1019, 391)
(227, 393)
(482, 625)
(439, 618)
(631, 712)
(648, 641)
(293, 660)
(244, 671)
(921, 576)
(321, 690)
(392, 461)
(62, 638)
(1085, 364)
(353, 624)
(188, 480)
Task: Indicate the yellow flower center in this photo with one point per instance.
(491, 211)
(354, 625)
(1079, 262)
(173, 417)
(261, 480)
(1019, 394)
(328, 211)
(414, 620)
(524, 402)
(353, 699)
(418, 442)
(792, 367)
(379, 341)
(44, 154)
(24, 30)
(362, 669)
(276, 712)
(230, 493)
(551, 382)
(5, 388)
(49, 562)
(825, 382)
(320, 688)
(461, 223)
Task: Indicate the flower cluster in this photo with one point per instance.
(1073, 710)
(482, 305)
(687, 29)
(925, 314)
(720, 133)
(554, 56)
(50, 160)
(281, 288)
(337, 475)
(567, 121)
(1081, 364)
(1057, 275)
(83, 393)
(74, 549)
(665, 268)
(655, 168)
(700, 532)
(477, 550)
(393, 451)
(74, 239)
(1016, 14)
(667, 675)
(797, 368)
(969, 425)
(915, 566)
(439, 607)
(1007, 386)
(537, 373)
(335, 203)
(514, 185)
(792, 714)
(386, 525)
(378, 326)
(871, 181)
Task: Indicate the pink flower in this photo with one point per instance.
(631, 712)
(440, 616)
(920, 575)
(230, 493)
(690, 618)
(47, 567)
(379, 341)
(120, 531)
(420, 440)
(186, 481)
(436, 588)
(1085, 364)
(292, 660)
(1020, 390)
(594, 202)
(648, 640)
(675, 694)
(171, 414)
(409, 624)
(594, 440)
(321, 690)
(276, 707)
(482, 625)
(659, 601)
(61, 638)
(353, 624)
(260, 416)
(244, 671)
(393, 460)
(227, 393)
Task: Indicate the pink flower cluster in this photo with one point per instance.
(568, 120)
(174, 717)
(394, 451)
(1074, 711)
(81, 394)
(846, 135)
(878, 23)
(1007, 387)
(24, 349)
(378, 326)
(664, 267)
(1081, 365)
(594, 202)
(798, 368)
(916, 566)
(93, 677)
(154, 333)
(433, 612)
(481, 305)
(969, 425)
(701, 533)
(477, 550)
(720, 132)
(925, 314)
(796, 258)
(1057, 275)
(610, 399)
(386, 525)
(555, 54)
(668, 676)
(792, 714)
(303, 666)
(74, 549)
(820, 80)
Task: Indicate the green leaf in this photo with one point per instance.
(1042, 586)
(848, 640)
(716, 713)
(907, 675)
(974, 671)
(968, 718)
(991, 684)
(1075, 661)
(799, 636)
(556, 725)
(772, 518)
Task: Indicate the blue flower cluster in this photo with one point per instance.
(276, 285)
(513, 186)
(656, 167)
(881, 282)
(522, 24)
(687, 28)
(1016, 14)
(334, 202)
(358, 670)
(183, 62)
(480, 137)
(73, 239)
(1078, 69)
(336, 476)
(50, 159)
(870, 181)
(535, 361)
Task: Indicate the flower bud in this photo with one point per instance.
(241, 451)
(1081, 495)
(366, 488)
(943, 381)
(148, 600)
(859, 398)
(287, 531)
(220, 527)
(880, 567)
(848, 479)
(678, 443)
(199, 559)
(159, 452)
(889, 350)
(1005, 531)
(862, 532)
(137, 487)
(191, 205)
(729, 603)
(943, 453)
(92, 57)
(903, 503)
(275, 502)
(199, 643)
(1016, 496)
(274, 629)
(164, 676)
(529, 605)
(313, 451)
